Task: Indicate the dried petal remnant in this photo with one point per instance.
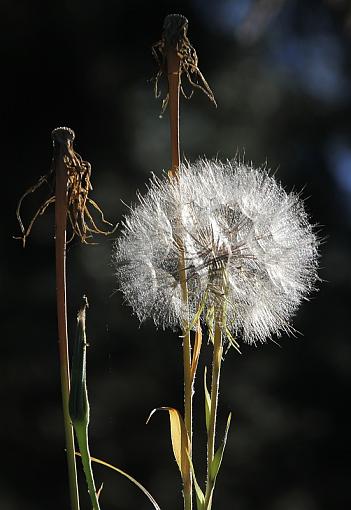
(175, 28)
(79, 204)
(250, 251)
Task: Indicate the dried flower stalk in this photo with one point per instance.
(175, 35)
(80, 206)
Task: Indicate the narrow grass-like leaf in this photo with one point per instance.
(200, 497)
(197, 316)
(197, 349)
(207, 401)
(78, 397)
(180, 440)
(130, 478)
(217, 459)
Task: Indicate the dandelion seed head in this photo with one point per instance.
(249, 249)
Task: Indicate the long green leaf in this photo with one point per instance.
(217, 459)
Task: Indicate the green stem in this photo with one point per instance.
(79, 403)
(83, 443)
(61, 138)
(211, 436)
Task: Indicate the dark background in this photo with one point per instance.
(281, 74)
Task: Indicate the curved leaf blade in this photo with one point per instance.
(207, 401)
(129, 477)
(197, 349)
(179, 438)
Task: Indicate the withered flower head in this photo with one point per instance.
(77, 183)
(175, 38)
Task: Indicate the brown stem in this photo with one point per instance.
(63, 139)
(173, 71)
(173, 63)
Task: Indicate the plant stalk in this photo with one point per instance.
(173, 70)
(79, 403)
(61, 138)
(83, 442)
(211, 437)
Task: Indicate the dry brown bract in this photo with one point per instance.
(79, 205)
(175, 35)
